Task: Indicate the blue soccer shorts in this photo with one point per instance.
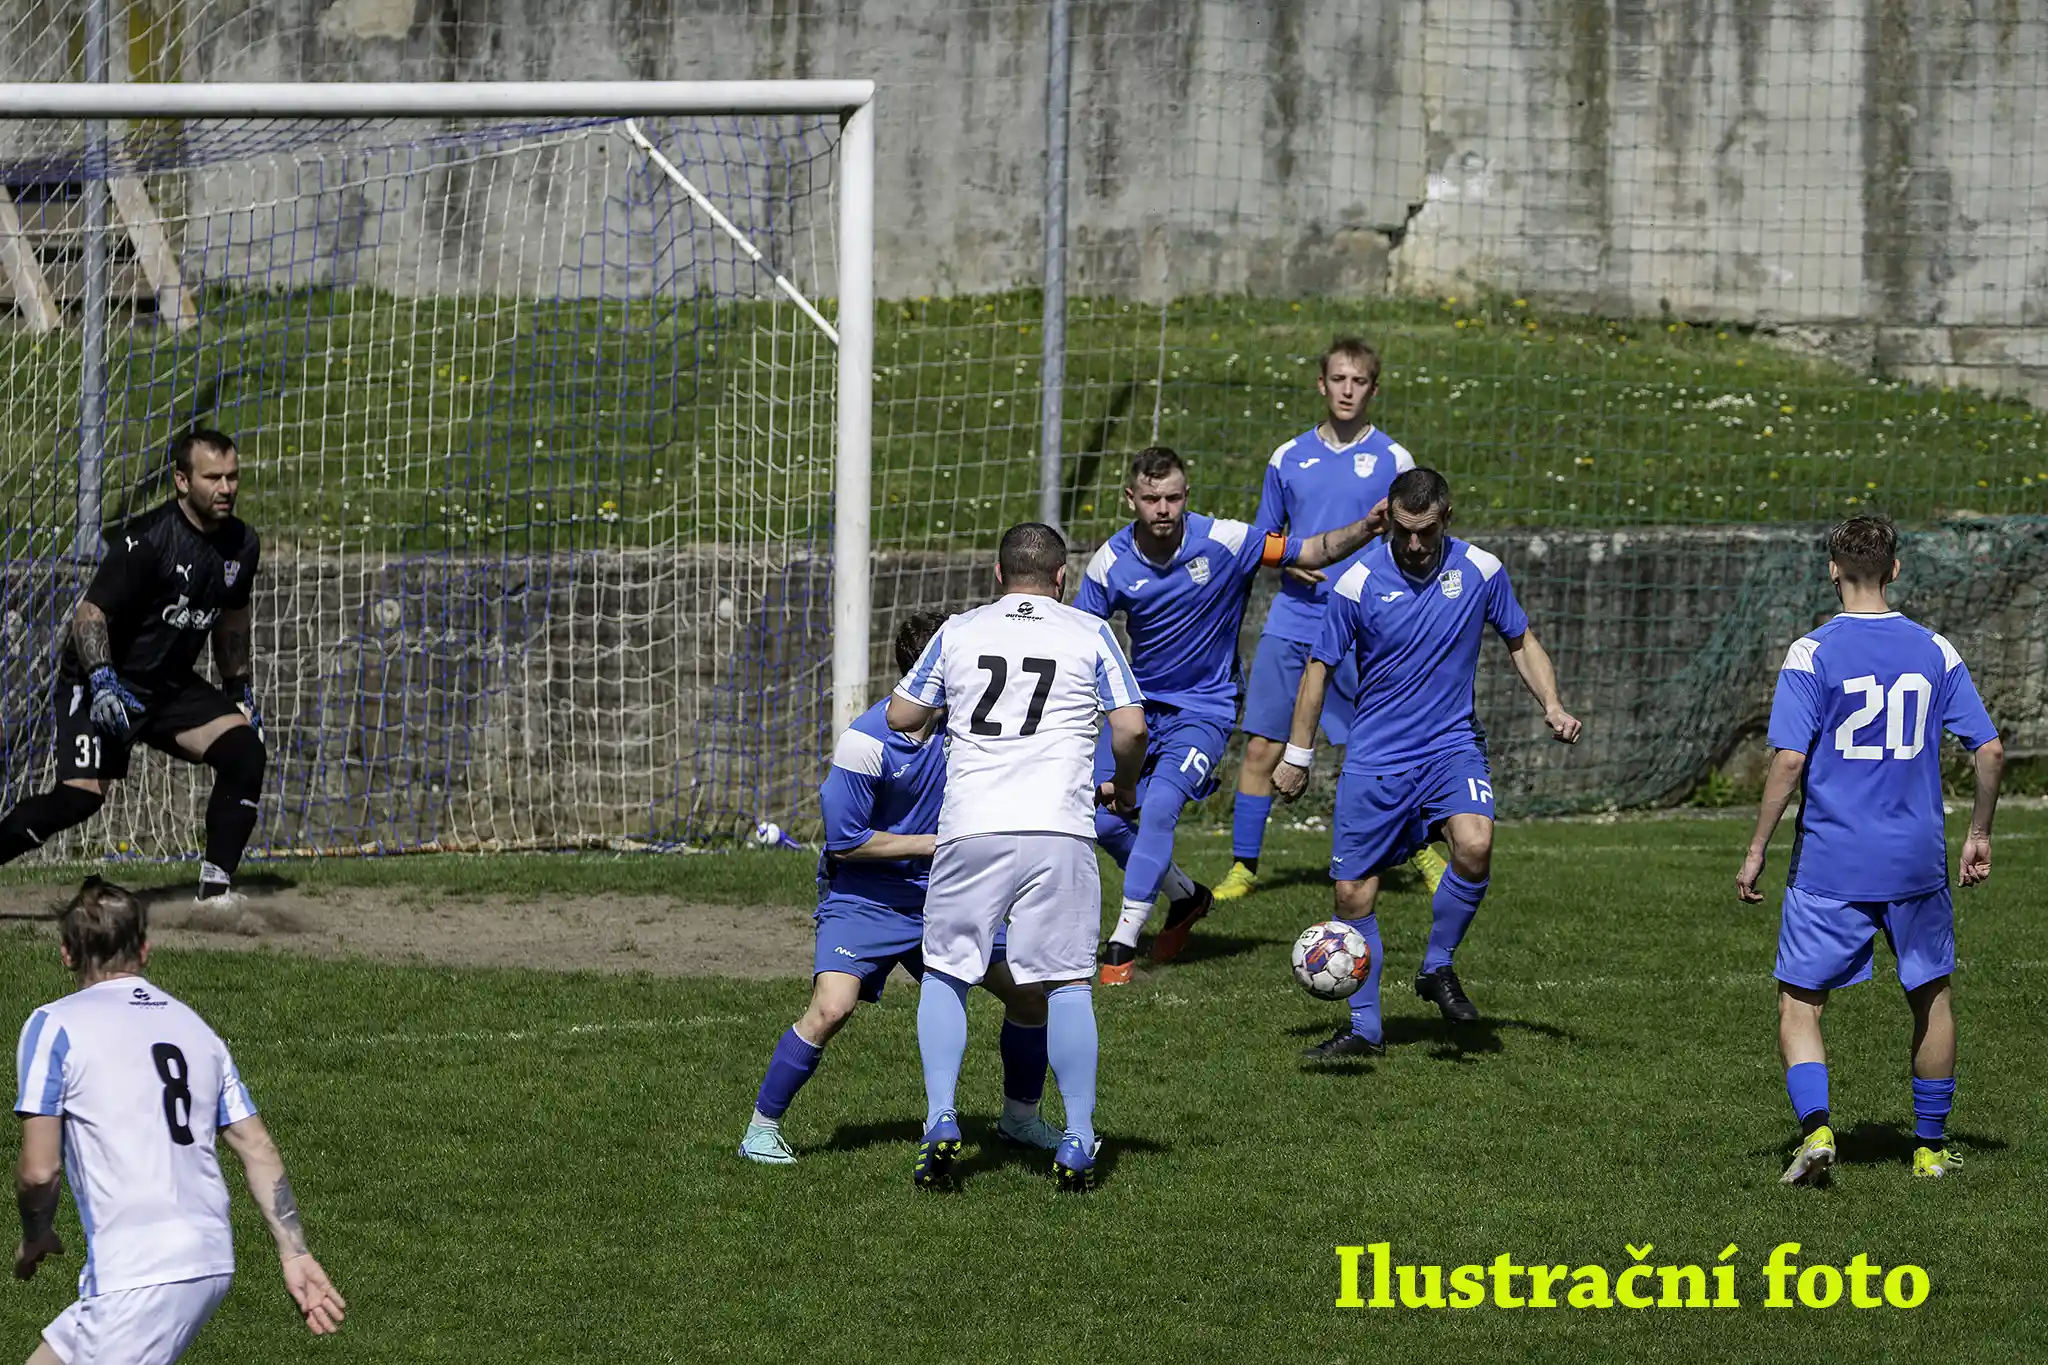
(1824, 943)
(1180, 749)
(1275, 682)
(866, 940)
(1382, 818)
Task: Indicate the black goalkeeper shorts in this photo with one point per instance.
(169, 710)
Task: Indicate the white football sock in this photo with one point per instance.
(1131, 922)
(761, 1120)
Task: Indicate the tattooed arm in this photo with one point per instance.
(263, 1166)
(89, 638)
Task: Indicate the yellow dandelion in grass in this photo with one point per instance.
(1521, 303)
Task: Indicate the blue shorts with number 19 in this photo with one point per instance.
(1382, 818)
(1180, 749)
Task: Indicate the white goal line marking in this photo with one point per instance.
(725, 225)
(516, 1035)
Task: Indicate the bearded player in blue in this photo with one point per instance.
(1411, 614)
(1857, 724)
(1334, 473)
(881, 805)
(1182, 581)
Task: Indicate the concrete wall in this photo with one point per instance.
(605, 699)
(1875, 171)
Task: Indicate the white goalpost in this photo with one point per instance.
(555, 406)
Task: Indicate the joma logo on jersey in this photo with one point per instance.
(184, 616)
(1198, 568)
(1453, 582)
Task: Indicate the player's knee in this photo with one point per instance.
(239, 757)
(826, 1016)
(1472, 852)
(1108, 824)
(76, 804)
(1354, 899)
(1162, 804)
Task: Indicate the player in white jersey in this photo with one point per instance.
(1024, 682)
(125, 1089)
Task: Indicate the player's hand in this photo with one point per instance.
(111, 703)
(1975, 865)
(1123, 803)
(1564, 726)
(1376, 519)
(317, 1298)
(1309, 576)
(29, 1255)
(1290, 781)
(1746, 879)
(251, 712)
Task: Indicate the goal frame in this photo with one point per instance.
(850, 101)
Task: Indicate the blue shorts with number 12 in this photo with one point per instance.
(1382, 818)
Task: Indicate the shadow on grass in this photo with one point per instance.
(1450, 1042)
(985, 1151)
(1213, 947)
(1871, 1143)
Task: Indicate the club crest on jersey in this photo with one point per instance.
(1198, 568)
(231, 571)
(1453, 582)
(1363, 463)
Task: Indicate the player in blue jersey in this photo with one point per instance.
(881, 803)
(1410, 614)
(1182, 581)
(1857, 724)
(1330, 475)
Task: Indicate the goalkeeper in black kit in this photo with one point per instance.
(172, 580)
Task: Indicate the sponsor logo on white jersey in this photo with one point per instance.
(1198, 568)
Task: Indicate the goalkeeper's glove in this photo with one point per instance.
(243, 690)
(111, 703)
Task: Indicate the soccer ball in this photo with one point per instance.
(768, 834)
(1331, 960)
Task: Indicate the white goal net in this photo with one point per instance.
(538, 420)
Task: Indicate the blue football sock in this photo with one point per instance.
(1158, 814)
(1931, 1102)
(1071, 1045)
(1115, 834)
(1248, 826)
(1807, 1086)
(1365, 1001)
(1450, 915)
(1023, 1048)
(941, 1041)
(791, 1065)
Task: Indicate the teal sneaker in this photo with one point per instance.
(1032, 1132)
(766, 1145)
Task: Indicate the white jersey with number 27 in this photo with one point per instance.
(1024, 681)
(142, 1085)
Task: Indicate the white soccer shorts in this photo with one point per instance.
(148, 1326)
(1047, 885)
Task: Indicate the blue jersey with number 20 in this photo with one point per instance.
(1866, 698)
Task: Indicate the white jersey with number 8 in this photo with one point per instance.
(1024, 681)
(142, 1085)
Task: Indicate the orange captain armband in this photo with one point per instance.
(1275, 552)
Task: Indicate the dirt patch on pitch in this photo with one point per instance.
(590, 933)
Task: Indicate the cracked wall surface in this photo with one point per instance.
(1873, 168)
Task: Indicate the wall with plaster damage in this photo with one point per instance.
(1872, 170)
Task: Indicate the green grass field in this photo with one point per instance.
(523, 1167)
(524, 426)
